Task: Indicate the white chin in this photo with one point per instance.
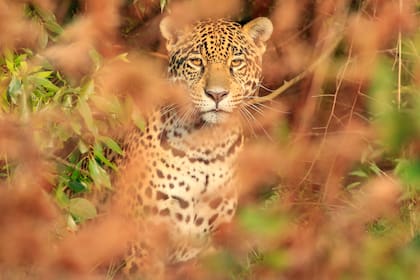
(214, 117)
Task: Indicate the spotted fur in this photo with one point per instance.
(179, 173)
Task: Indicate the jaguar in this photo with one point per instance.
(178, 174)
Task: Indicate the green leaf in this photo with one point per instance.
(61, 197)
(375, 169)
(82, 209)
(123, 57)
(138, 120)
(379, 227)
(409, 172)
(261, 221)
(71, 223)
(83, 147)
(43, 74)
(87, 89)
(276, 259)
(96, 58)
(353, 185)
(86, 114)
(76, 127)
(9, 60)
(222, 262)
(14, 88)
(53, 26)
(45, 83)
(394, 126)
(415, 242)
(49, 20)
(76, 186)
(359, 173)
(110, 143)
(395, 129)
(98, 152)
(98, 174)
(43, 39)
(381, 88)
(163, 4)
(76, 174)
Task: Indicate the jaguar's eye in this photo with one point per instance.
(196, 61)
(236, 62)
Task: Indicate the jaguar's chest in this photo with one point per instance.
(193, 164)
(183, 176)
(185, 168)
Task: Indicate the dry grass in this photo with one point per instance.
(330, 171)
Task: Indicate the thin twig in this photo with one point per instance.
(399, 62)
(287, 84)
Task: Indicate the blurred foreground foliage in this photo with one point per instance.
(67, 130)
(345, 207)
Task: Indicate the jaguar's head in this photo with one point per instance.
(219, 61)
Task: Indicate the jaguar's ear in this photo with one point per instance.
(169, 31)
(259, 30)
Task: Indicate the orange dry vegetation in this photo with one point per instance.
(298, 219)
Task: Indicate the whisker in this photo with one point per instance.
(255, 108)
(178, 120)
(273, 108)
(258, 123)
(264, 105)
(246, 117)
(191, 114)
(167, 109)
(186, 116)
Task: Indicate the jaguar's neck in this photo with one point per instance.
(198, 139)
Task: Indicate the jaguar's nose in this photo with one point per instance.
(216, 96)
